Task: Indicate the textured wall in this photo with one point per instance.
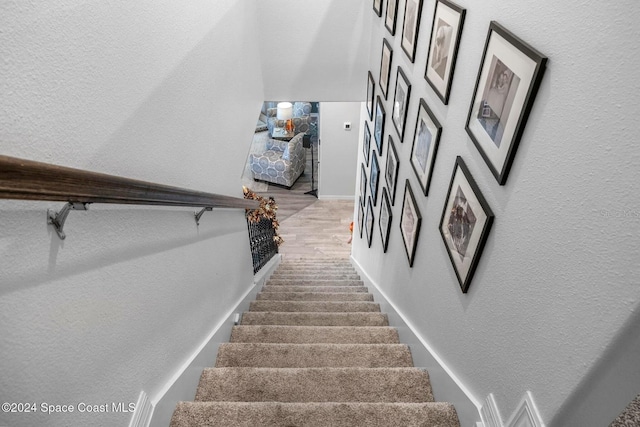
(338, 149)
(161, 91)
(313, 51)
(559, 274)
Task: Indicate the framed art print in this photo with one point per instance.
(412, 12)
(385, 67)
(363, 182)
(425, 145)
(366, 144)
(508, 80)
(391, 170)
(378, 130)
(410, 220)
(443, 47)
(374, 179)
(384, 220)
(370, 92)
(360, 216)
(465, 223)
(368, 222)
(390, 17)
(377, 7)
(401, 103)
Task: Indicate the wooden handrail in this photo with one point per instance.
(29, 180)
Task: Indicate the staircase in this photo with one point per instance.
(314, 350)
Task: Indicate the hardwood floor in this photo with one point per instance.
(311, 228)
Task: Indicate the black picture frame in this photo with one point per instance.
(391, 16)
(371, 84)
(374, 178)
(360, 215)
(425, 145)
(446, 31)
(378, 127)
(401, 103)
(377, 7)
(465, 223)
(385, 67)
(369, 220)
(384, 219)
(410, 222)
(363, 181)
(366, 143)
(508, 80)
(410, 28)
(391, 169)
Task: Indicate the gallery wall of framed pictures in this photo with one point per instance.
(507, 81)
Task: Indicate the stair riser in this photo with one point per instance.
(276, 414)
(314, 306)
(315, 334)
(409, 385)
(287, 282)
(315, 319)
(314, 296)
(314, 276)
(328, 289)
(313, 355)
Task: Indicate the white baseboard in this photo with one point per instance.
(526, 414)
(323, 197)
(446, 386)
(183, 384)
(490, 413)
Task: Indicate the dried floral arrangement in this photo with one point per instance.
(266, 210)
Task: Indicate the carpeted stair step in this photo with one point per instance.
(315, 319)
(315, 334)
(298, 282)
(322, 275)
(314, 385)
(313, 355)
(314, 306)
(313, 268)
(330, 289)
(330, 414)
(314, 296)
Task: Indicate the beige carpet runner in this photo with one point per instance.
(314, 350)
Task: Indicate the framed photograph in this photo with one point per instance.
(384, 220)
(363, 182)
(401, 103)
(360, 216)
(443, 47)
(412, 12)
(410, 220)
(369, 221)
(391, 170)
(385, 67)
(465, 223)
(390, 17)
(374, 179)
(377, 7)
(366, 145)
(508, 80)
(378, 130)
(425, 145)
(370, 92)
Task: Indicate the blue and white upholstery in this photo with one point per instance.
(301, 118)
(282, 163)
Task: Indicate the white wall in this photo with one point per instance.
(338, 149)
(160, 91)
(558, 278)
(314, 51)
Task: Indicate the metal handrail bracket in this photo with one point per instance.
(57, 219)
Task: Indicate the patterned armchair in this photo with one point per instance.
(282, 163)
(301, 118)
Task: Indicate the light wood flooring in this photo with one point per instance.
(311, 228)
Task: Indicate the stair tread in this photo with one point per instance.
(314, 282)
(330, 289)
(314, 306)
(278, 355)
(315, 385)
(315, 318)
(315, 334)
(314, 296)
(314, 414)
